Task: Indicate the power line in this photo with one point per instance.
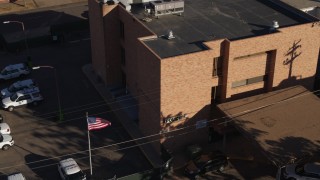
(108, 103)
(59, 157)
(175, 130)
(112, 110)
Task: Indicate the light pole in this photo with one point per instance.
(24, 34)
(57, 88)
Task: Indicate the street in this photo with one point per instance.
(41, 139)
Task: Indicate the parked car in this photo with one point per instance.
(22, 97)
(17, 86)
(206, 162)
(1, 118)
(70, 170)
(6, 141)
(297, 171)
(4, 128)
(16, 176)
(14, 71)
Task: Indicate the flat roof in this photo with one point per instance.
(205, 20)
(284, 123)
(301, 4)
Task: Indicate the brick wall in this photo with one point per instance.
(97, 45)
(183, 84)
(302, 39)
(133, 29)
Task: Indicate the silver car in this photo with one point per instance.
(298, 171)
(6, 141)
(4, 128)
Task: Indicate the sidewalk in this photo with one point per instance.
(243, 155)
(130, 126)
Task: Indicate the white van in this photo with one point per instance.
(6, 141)
(14, 71)
(17, 86)
(69, 169)
(23, 97)
(4, 128)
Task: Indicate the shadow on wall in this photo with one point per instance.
(290, 56)
(292, 53)
(246, 94)
(187, 131)
(308, 83)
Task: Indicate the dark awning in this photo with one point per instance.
(284, 123)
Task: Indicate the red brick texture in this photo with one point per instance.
(183, 84)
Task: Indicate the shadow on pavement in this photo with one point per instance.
(37, 162)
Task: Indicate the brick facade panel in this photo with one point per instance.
(248, 67)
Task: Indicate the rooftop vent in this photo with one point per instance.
(169, 35)
(163, 7)
(275, 25)
(110, 2)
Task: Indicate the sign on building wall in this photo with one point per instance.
(201, 124)
(175, 118)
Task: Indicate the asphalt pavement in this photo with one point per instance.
(41, 140)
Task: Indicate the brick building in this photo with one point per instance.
(179, 59)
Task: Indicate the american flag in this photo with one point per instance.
(97, 123)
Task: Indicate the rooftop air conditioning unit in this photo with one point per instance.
(164, 7)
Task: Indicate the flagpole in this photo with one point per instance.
(89, 145)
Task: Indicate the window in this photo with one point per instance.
(123, 56)
(20, 98)
(255, 79)
(250, 55)
(121, 30)
(217, 66)
(14, 97)
(25, 97)
(248, 81)
(239, 83)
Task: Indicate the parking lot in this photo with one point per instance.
(41, 139)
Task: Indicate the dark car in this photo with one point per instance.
(206, 162)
